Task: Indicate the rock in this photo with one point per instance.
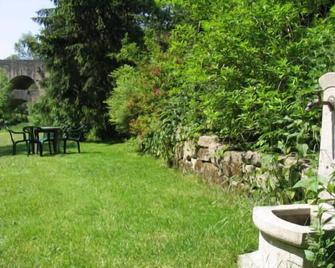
(204, 155)
(208, 171)
(235, 162)
(212, 172)
(231, 163)
(252, 158)
(249, 169)
(198, 166)
(189, 150)
(179, 150)
(193, 162)
(224, 165)
(185, 166)
(208, 141)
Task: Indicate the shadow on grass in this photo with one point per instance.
(6, 150)
(106, 142)
(71, 148)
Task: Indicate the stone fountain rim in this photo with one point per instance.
(287, 232)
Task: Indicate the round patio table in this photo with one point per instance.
(52, 134)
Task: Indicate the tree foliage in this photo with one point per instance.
(23, 47)
(11, 111)
(241, 69)
(4, 95)
(75, 44)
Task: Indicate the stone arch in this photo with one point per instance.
(22, 73)
(22, 82)
(23, 88)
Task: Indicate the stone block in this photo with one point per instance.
(252, 158)
(204, 155)
(179, 150)
(198, 165)
(185, 166)
(231, 164)
(249, 169)
(208, 141)
(193, 162)
(189, 150)
(208, 171)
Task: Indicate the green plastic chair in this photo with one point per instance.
(13, 136)
(40, 137)
(73, 134)
(29, 130)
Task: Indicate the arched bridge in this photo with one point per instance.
(25, 77)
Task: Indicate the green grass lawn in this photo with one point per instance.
(110, 207)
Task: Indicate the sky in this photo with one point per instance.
(15, 20)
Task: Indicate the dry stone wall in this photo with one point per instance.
(209, 158)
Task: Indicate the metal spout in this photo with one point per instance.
(319, 102)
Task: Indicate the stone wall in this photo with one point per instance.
(212, 160)
(209, 158)
(34, 69)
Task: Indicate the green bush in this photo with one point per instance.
(242, 70)
(4, 95)
(130, 97)
(10, 111)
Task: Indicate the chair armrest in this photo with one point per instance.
(11, 132)
(17, 132)
(74, 133)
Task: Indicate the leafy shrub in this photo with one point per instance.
(4, 96)
(321, 244)
(131, 98)
(243, 70)
(74, 44)
(10, 111)
(276, 182)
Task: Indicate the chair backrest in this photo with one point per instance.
(10, 133)
(75, 133)
(36, 132)
(30, 131)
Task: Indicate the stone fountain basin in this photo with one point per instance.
(282, 235)
(287, 223)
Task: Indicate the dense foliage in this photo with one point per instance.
(22, 47)
(10, 111)
(77, 37)
(4, 96)
(244, 70)
(321, 243)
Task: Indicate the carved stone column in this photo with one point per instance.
(327, 145)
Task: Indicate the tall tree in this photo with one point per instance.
(22, 46)
(77, 39)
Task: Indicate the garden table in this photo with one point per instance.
(52, 134)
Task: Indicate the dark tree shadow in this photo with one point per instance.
(6, 150)
(71, 148)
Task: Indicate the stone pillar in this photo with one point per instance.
(327, 146)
